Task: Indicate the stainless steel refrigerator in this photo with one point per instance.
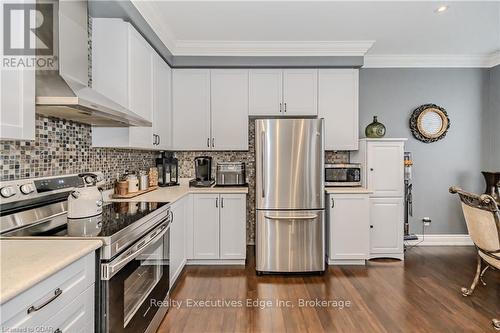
(290, 197)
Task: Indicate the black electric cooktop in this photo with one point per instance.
(115, 217)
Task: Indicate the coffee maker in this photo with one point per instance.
(168, 170)
(203, 172)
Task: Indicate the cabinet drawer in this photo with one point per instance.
(78, 316)
(71, 281)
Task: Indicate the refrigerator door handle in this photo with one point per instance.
(262, 138)
(303, 217)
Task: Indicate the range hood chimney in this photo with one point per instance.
(64, 93)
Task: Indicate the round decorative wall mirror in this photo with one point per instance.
(429, 123)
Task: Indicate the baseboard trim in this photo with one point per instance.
(216, 262)
(441, 240)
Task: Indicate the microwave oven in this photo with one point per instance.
(343, 174)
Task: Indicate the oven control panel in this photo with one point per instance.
(23, 189)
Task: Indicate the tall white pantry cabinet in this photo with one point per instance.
(384, 176)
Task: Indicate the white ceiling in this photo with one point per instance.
(408, 29)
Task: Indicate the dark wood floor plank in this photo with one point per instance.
(421, 294)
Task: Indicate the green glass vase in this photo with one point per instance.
(375, 129)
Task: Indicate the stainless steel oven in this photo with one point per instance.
(135, 284)
(348, 174)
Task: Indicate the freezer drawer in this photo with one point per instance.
(290, 241)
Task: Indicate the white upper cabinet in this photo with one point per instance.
(229, 109)
(300, 92)
(338, 105)
(191, 109)
(140, 75)
(127, 70)
(162, 104)
(289, 92)
(266, 92)
(385, 168)
(17, 95)
(17, 104)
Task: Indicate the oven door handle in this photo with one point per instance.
(108, 270)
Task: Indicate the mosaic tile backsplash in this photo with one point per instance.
(65, 147)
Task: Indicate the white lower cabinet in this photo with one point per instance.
(348, 229)
(63, 301)
(386, 228)
(219, 227)
(177, 238)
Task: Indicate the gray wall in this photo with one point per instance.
(491, 123)
(393, 94)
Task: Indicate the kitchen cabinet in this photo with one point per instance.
(219, 227)
(338, 105)
(206, 226)
(266, 92)
(232, 226)
(383, 162)
(288, 92)
(177, 239)
(229, 109)
(17, 96)
(127, 70)
(191, 109)
(70, 293)
(213, 105)
(348, 228)
(386, 227)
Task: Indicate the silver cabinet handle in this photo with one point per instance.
(221, 202)
(159, 139)
(216, 202)
(208, 142)
(285, 107)
(33, 308)
(371, 169)
(280, 107)
(333, 203)
(213, 142)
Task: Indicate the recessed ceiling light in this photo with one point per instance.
(441, 9)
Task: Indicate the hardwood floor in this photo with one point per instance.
(421, 294)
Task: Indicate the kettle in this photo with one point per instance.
(86, 200)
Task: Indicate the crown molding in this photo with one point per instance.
(271, 48)
(431, 61)
(494, 59)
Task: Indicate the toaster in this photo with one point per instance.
(230, 174)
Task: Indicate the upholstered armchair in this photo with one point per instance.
(482, 216)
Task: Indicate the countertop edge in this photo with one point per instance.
(92, 245)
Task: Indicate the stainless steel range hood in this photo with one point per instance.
(64, 93)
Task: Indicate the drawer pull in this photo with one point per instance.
(33, 308)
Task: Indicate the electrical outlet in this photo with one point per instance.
(426, 221)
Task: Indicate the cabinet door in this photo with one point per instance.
(140, 75)
(300, 92)
(17, 104)
(162, 114)
(191, 109)
(349, 226)
(177, 240)
(206, 226)
(233, 226)
(385, 168)
(229, 109)
(265, 92)
(386, 219)
(338, 105)
(17, 93)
